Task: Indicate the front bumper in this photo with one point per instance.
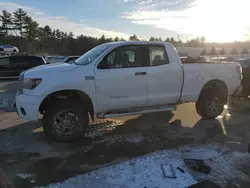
(27, 106)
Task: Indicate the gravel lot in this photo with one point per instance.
(25, 150)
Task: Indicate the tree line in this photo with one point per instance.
(19, 29)
(222, 51)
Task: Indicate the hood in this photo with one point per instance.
(55, 67)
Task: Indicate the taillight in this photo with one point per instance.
(239, 71)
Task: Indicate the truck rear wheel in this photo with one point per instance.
(210, 104)
(65, 120)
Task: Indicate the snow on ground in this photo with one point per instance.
(8, 91)
(7, 100)
(25, 176)
(146, 171)
(6, 104)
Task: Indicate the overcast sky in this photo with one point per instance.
(217, 20)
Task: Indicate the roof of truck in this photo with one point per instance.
(138, 42)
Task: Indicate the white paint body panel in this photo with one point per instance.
(197, 75)
(116, 89)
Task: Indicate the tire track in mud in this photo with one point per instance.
(105, 131)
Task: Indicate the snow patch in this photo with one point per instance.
(146, 171)
(25, 176)
(135, 139)
(6, 102)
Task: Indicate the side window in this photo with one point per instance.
(26, 61)
(4, 61)
(36, 61)
(157, 55)
(123, 57)
(19, 60)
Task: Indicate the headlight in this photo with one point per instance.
(31, 83)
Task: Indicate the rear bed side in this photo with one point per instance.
(197, 75)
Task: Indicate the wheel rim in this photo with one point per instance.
(215, 105)
(66, 123)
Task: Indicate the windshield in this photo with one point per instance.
(92, 54)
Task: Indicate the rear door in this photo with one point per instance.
(164, 77)
(5, 68)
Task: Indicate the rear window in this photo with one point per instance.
(157, 55)
(26, 60)
(37, 60)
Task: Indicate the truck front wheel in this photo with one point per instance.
(65, 120)
(210, 105)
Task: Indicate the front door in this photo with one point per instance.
(121, 79)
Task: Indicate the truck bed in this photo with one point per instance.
(197, 74)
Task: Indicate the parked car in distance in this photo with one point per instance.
(245, 64)
(9, 49)
(70, 59)
(120, 79)
(12, 66)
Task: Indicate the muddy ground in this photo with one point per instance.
(25, 150)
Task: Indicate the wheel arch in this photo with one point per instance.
(216, 85)
(73, 94)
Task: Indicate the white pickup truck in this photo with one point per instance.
(122, 78)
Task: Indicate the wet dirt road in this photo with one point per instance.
(24, 149)
(29, 159)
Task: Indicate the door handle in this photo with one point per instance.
(140, 73)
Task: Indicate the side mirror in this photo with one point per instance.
(103, 64)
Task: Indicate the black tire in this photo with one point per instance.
(203, 105)
(65, 106)
(14, 51)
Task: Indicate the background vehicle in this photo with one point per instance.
(245, 63)
(12, 66)
(199, 59)
(118, 79)
(56, 59)
(9, 49)
(70, 59)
